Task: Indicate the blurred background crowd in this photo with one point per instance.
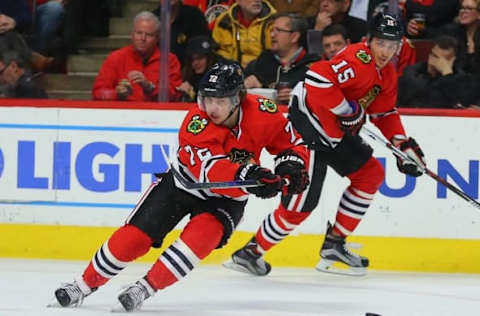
(109, 49)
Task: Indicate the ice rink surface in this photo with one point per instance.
(26, 287)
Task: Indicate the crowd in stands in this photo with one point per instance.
(274, 41)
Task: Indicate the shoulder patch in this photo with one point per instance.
(211, 13)
(197, 125)
(267, 105)
(363, 56)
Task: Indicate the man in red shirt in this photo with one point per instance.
(218, 141)
(131, 73)
(328, 110)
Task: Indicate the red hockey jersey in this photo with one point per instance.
(352, 76)
(209, 152)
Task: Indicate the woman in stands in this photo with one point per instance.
(466, 31)
(199, 57)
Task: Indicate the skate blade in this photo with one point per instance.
(54, 304)
(229, 264)
(118, 308)
(333, 267)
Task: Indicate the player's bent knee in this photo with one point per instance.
(293, 217)
(202, 234)
(378, 173)
(129, 243)
(369, 178)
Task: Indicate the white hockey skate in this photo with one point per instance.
(72, 294)
(337, 258)
(133, 296)
(247, 260)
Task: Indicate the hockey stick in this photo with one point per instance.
(211, 185)
(424, 169)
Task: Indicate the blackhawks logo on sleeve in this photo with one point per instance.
(363, 56)
(197, 124)
(267, 105)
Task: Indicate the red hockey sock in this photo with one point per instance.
(278, 225)
(358, 196)
(198, 239)
(125, 245)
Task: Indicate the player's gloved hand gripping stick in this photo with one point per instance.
(219, 185)
(404, 156)
(248, 183)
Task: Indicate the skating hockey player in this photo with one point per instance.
(328, 110)
(220, 140)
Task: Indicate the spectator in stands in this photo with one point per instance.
(15, 74)
(437, 83)
(336, 12)
(302, 7)
(48, 19)
(436, 13)
(132, 72)
(199, 57)
(286, 63)
(186, 23)
(467, 31)
(84, 18)
(211, 9)
(15, 18)
(377, 6)
(334, 39)
(243, 31)
(14, 15)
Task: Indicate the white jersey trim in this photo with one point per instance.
(343, 108)
(300, 92)
(314, 79)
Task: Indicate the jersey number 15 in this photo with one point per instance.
(343, 72)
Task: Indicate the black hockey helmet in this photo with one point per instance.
(222, 80)
(386, 26)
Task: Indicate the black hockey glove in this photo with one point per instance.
(352, 123)
(411, 148)
(272, 183)
(292, 167)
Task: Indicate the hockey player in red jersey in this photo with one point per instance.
(328, 110)
(218, 141)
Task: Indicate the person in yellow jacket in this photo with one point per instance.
(243, 31)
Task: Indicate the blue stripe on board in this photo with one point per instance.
(70, 204)
(91, 128)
